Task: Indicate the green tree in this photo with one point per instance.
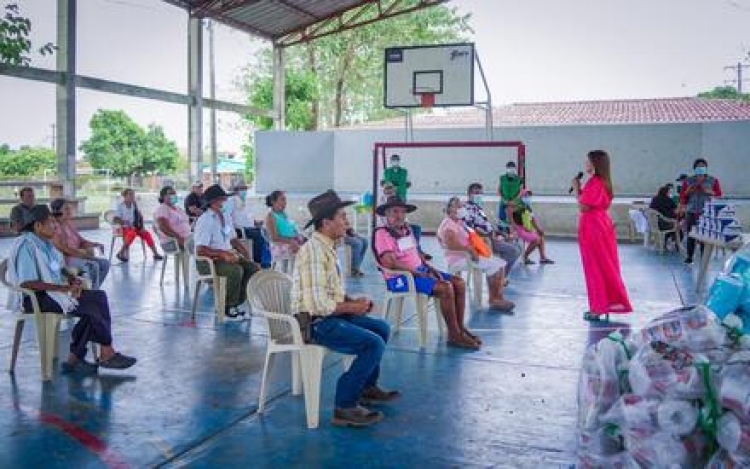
(119, 144)
(26, 161)
(724, 92)
(15, 45)
(346, 69)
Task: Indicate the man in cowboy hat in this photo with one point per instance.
(396, 248)
(35, 264)
(340, 322)
(215, 237)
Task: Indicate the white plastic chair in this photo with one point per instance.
(345, 260)
(171, 248)
(269, 295)
(47, 327)
(212, 278)
(109, 218)
(248, 242)
(659, 236)
(473, 274)
(422, 303)
(284, 262)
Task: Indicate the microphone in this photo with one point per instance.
(579, 176)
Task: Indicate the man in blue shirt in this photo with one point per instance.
(36, 264)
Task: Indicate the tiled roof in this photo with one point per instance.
(634, 111)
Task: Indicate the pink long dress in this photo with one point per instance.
(598, 243)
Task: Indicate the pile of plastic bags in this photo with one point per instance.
(675, 394)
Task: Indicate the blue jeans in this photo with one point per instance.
(261, 248)
(359, 248)
(362, 336)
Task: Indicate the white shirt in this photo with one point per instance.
(242, 216)
(211, 233)
(125, 213)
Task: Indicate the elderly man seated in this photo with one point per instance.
(396, 248)
(37, 265)
(454, 235)
(173, 223)
(340, 322)
(475, 218)
(21, 210)
(80, 253)
(215, 238)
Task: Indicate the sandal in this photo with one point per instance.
(472, 336)
(121, 257)
(463, 343)
(592, 317)
(546, 261)
(528, 262)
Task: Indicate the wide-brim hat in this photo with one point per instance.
(324, 205)
(394, 202)
(214, 192)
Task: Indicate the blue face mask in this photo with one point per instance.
(226, 209)
(701, 171)
(477, 199)
(243, 195)
(173, 199)
(526, 200)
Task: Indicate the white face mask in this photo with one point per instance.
(461, 212)
(511, 171)
(395, 164)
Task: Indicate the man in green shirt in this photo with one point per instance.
(509, 190)
(397, 176)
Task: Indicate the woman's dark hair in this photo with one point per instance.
(450, 202)
(699, 161)
(600, 160)
(163, 193)
(664, 191)
(273, 197)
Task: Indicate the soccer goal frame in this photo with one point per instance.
(380, 149)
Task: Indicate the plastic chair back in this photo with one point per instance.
(268, 291)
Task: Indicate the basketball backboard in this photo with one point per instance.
(446, 70)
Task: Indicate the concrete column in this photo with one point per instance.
(279, 89)
(195, 91)
(66, 95)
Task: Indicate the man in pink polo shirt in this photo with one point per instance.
(396, 249)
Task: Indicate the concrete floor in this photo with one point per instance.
(191, 400)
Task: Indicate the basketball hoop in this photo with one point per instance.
(428, 100)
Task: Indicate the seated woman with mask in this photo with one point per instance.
(79, 252)
(172, 221)
(283, 232)
(247, 226)
(526, 227)
(454, 236)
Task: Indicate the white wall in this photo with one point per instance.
(644, 157)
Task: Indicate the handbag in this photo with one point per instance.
(478, 244)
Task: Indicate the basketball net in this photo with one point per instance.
(428, 100)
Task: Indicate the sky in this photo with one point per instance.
(531, 51)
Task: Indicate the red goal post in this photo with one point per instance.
(380, 149)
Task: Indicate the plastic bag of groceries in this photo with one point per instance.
(661, 370)
(693, 327)
(734, 387)
(734, 436)
(603, 379)
(642, 417)
(659, 450)
(621, 460)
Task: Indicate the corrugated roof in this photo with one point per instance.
(631, 111)
(289, 22)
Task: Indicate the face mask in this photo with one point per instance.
(396, 164)
(172, 200)
(701, 171)
(526, 200)
(461, 212)
(243, 195)
(511, 171)
(226, 209)
(477, 199)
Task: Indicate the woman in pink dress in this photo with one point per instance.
(598, 242)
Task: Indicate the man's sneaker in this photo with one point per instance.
(81, 367)
(355, 417)
(375, 394)
(158, 257)
(117, 361)
(688, 262)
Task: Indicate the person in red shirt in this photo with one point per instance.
(695, 192)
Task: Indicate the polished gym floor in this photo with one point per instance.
(191, 400)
